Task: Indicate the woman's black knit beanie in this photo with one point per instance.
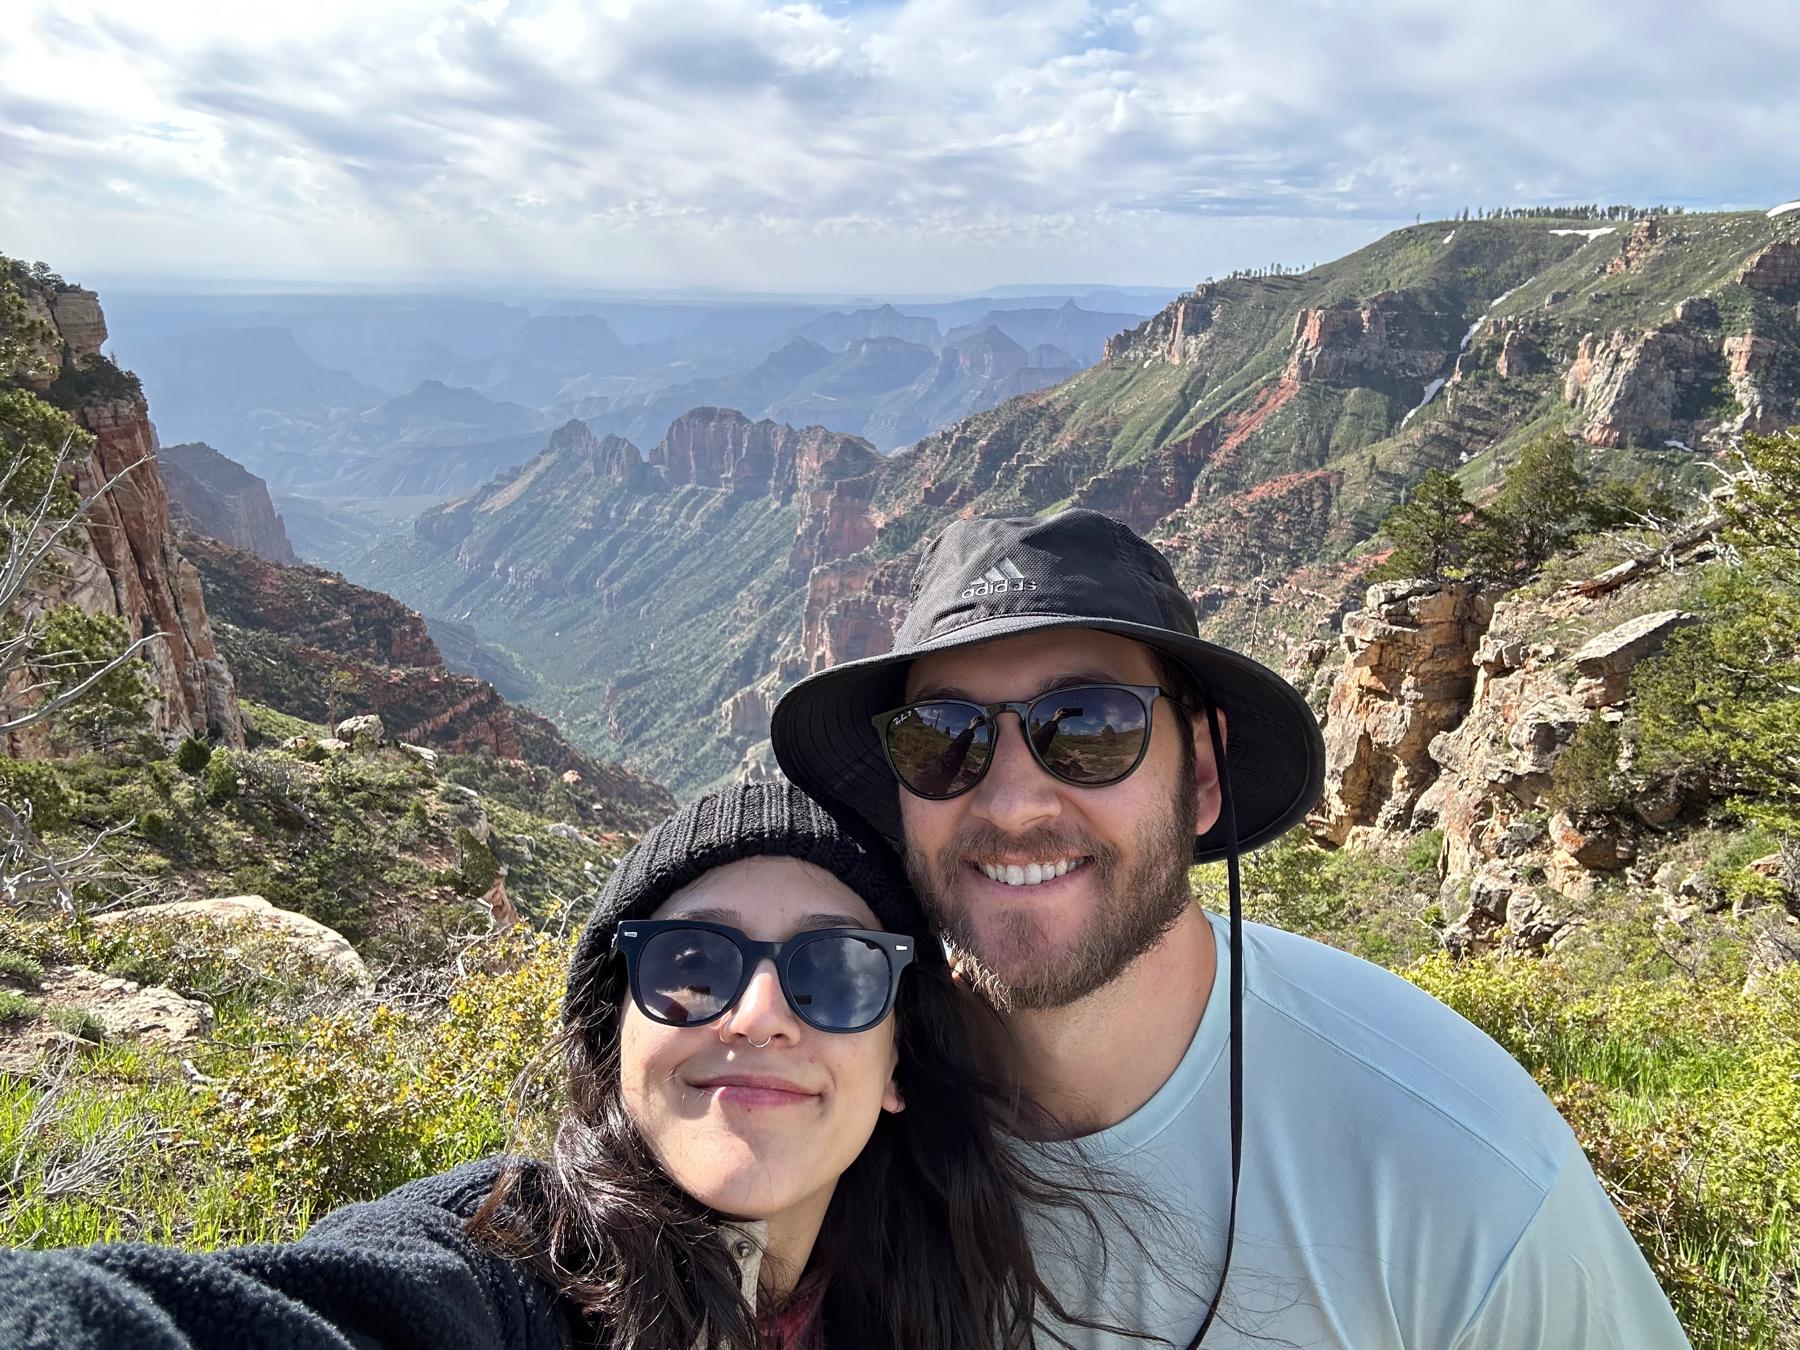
(748, 820)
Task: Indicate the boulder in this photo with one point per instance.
(125, 1010)
(321, 945)
(365, 729)
(423, 753)
(1605, 662)
(1598, 843)
(1530, 922)
(565, 831)
(1775, 948)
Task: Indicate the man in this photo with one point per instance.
(1338, 1159)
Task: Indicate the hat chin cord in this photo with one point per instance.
(1228, 816)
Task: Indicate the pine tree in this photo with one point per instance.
(1542, 503)
(1430, 531)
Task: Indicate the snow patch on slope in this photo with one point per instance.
(1431, 392)
(1589, 234)
(1783, 209)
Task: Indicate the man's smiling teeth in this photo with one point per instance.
(1031, 874)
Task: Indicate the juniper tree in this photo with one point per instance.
(1542, 504)
(1430, 530)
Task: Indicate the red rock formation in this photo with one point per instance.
(130, 567)
(147, 582)
(1176, 334)
(838, 522)
(718, 447)
(212, 495)
(1776, 269)
(1636, 389)
(1388, 341)
(1634, 247)
(293, 629)
(311, 605)
(852, 609)
(1147, 490)
(1519, 355)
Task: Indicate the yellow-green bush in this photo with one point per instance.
(282, 1120)
(1687, 1100)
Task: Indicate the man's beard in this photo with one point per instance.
(1139, 903)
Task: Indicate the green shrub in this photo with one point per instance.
(221, 778)
(20, 967)
(192, 755)
(1585, 776)
(1423, 852)
(477, 867)
(35, 782)
(16, 1007)
(1687, 1100)
(79, 1023)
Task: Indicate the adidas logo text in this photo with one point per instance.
(998, 580)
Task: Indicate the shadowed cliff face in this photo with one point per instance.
(131, 566)
(1258, 429)
(217, 497)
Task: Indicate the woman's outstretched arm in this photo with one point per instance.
(394, 1274)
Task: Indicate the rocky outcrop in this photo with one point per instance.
(211, 495)
(1604, 663)
(310, 643)
(1764, 373)
(1635, 246)
(1519, 356)
(129, 566)
(1389, 342)
(120, 1010)
(717, 447)
(744, 717)
(1775, 271)
(79, 321)
(839, 521)
(310, 605)
(1177, 334)
(1644, 389)
(147, 582)
(851, 610)
(1408, 676)
(320, 948)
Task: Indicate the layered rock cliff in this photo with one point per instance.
(129, 565)
(1450, 711)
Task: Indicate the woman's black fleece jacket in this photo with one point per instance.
(394, 1274)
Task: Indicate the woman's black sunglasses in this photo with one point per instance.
(686, 973)
(1090, 735)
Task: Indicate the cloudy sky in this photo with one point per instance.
(905, 145)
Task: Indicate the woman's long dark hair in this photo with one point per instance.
(924, 1243)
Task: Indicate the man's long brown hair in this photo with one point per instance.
(924, 1245)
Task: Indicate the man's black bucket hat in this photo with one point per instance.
(993, 578)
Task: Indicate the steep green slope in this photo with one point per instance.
(643, 594)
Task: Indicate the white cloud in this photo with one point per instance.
(894, 145)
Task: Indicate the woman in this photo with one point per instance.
(776, 1137)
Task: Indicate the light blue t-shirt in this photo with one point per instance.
(1405, 1184)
